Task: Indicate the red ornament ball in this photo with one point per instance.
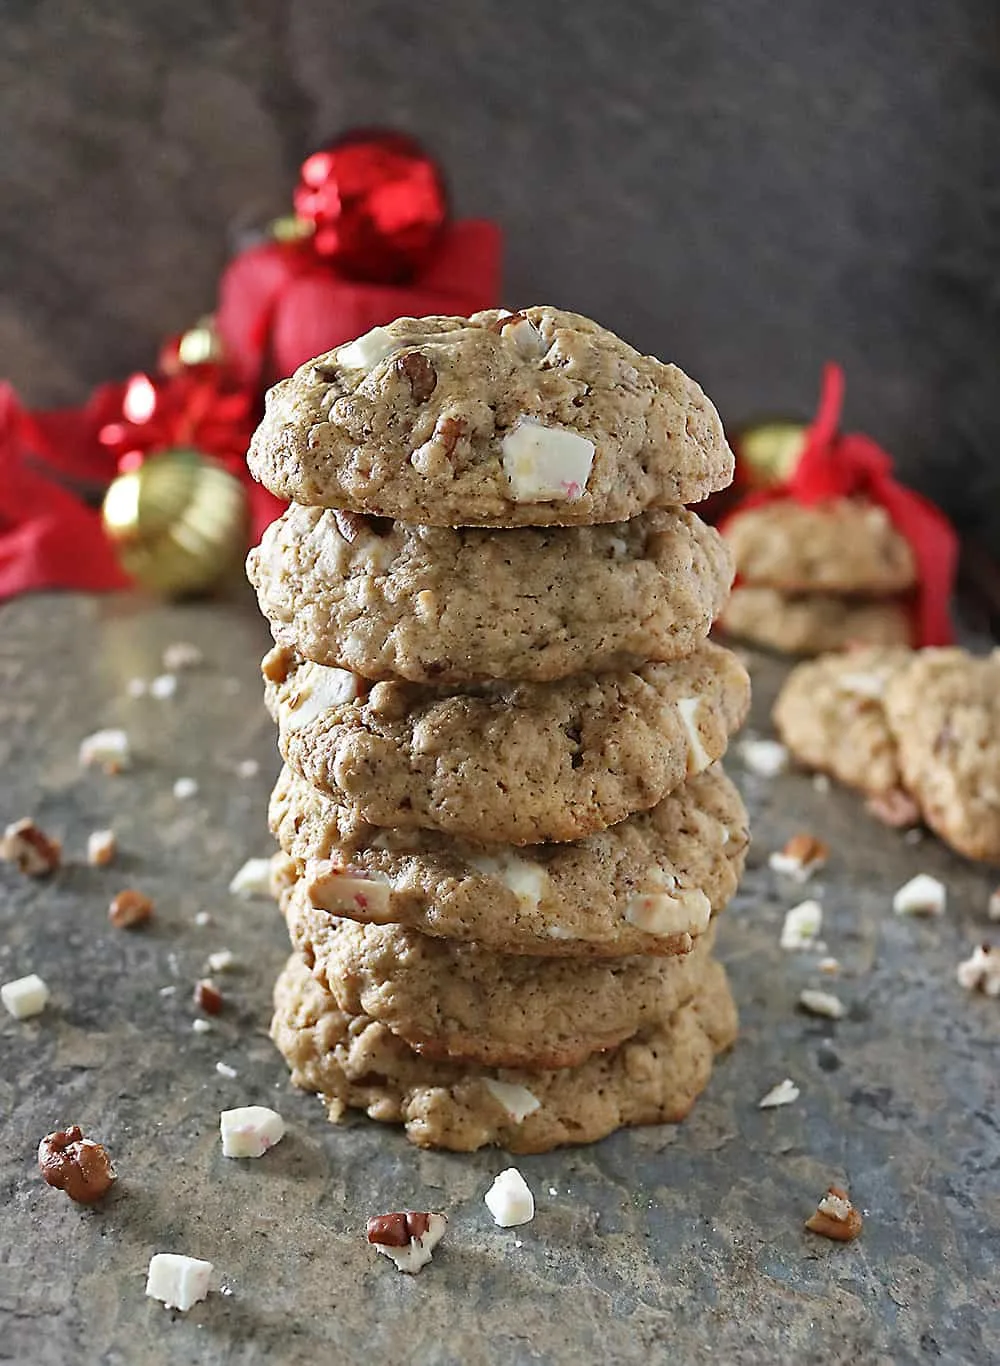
(378, 203)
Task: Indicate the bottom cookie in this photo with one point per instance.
(813, 623)
(354, 1062)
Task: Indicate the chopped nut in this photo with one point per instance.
(783, 1094)
(250, 1130)
(25, 996)
(894, 808)
(208, 997)
(922, 895)
(802, 856)
(185, 788)
(107, 749)
(449, 431)
(182, 655)
(76, 1165)
(130, 908)
(981, 972)
(993, 905)
(422, 376)
(28, 847)
(835, 1217)
(821, 1003)
(178, 1281)
(766, 758)
(163, 687)
(353, 525)
(253, 879)
(510, 1200)
(408, 1237)
(101, 848)
(802, 926)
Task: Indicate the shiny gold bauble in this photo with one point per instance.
(769, 451)
(179, 522)
(200, 344)
(290, 228)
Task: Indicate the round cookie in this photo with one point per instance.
(814, 623)
(844, 546)
(831, 715)
(537, 418)
(352, 1061)
(441, 605)
(645, 886)
(467, 1003)
(944, 711)
(511, 763)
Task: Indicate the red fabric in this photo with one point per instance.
(280, 304)
(836, 465)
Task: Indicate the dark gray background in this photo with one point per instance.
(742, 186)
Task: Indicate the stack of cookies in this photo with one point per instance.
(822, 577)
(504, 827)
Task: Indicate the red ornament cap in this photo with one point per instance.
(378, 203)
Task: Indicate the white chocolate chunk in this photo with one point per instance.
(250, 1130)
(559, 932)
(101, 847)
(862, 684)
(766, 758)
(367, 350)
(922, 895)
(510, 1200)
(525, 336)
(528, 881)
(25, 996)
(348, 891)
(683, 912)
(546, 464)
(698, 756)
(185, 788)
(221, 961)
(253, 879)
(417, 1252)
(785, 1093)
(107, 749)
(319, 689)
(178, 1281)
(163, 687)
(822, 1003)
(518, 1101)
(981, 971)
(802, 926)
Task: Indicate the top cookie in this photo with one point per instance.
(845, 546)
(536, 418)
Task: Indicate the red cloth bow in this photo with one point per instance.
(837, 465)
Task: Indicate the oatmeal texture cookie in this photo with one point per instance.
(646, 886)
(944, 711)
(513, 763)
(353, 1061)
(440, 605)
(831, 715)
(535, 418)
(814, 623)
(845, 546)
(461, 1001)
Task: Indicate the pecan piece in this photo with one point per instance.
(33, 852)
(130, 908)
(415, 367)
(408, 1237)
(76, 1165)
(450, 431)
(836, 1217)
(208, 997)
(351, 525)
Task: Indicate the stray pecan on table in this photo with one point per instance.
(835, 1217)
(76, 1165)
(408, 1237)
(32, 851)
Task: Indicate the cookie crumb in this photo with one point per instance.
(101, 848)
(181, 654)
(509, 1199)
(25, 996)
(823, 1003)
(981, 971)
(835, 1217)
(766, 758)
(129, 909)
(184, 788)
(802, 926)
(178, 1281)
(802, 856)
(407, 1237)
(250, 1130)
(107, 749)
(785, 1093)
(163, 687)
(30, 849)
(74, 1164)
(922, 895)
(252, 880)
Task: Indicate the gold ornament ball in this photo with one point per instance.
(179, 522)
(769, 451)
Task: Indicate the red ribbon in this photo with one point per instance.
(837, 465)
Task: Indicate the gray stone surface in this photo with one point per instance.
(746, 187)
(683, 1244)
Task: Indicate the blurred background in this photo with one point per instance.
(747, 188)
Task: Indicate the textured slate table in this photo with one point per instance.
(682, 1244)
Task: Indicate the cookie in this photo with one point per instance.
(646, 886)
(539, 418)
(814, 623)
(352, 1061)
(461, 1001)
(845, 546)
(944, 711)
(510, 763)
(831, 715)
(436, 605)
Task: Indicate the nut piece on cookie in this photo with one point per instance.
(802, 856)
(922, 895)
(981, 972)
(407, 1237)
(835, 1217)
(510, 1200)
(76, 1165)
(29, 848)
